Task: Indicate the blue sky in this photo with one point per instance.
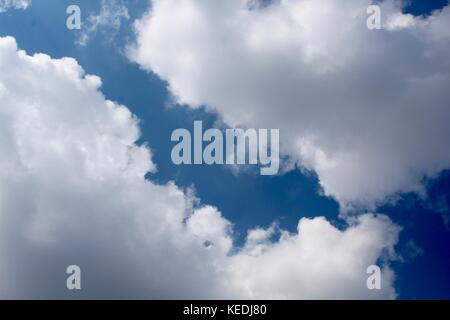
(247, 200)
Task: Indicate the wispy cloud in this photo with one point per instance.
(14, 4)
(108, 21)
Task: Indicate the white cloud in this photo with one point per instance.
(318, 254)
(367, 110)
(400, 21)
(108, 21)
(72, 191)
(14, 4)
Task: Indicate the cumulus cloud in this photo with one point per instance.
(308, 257)
(13, 4)
(73, 191)
(367, 110)
(108, 21)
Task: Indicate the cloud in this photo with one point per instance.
(319, 261)
(108, 21)
(367, 110)
(72, 191)
(5, 5)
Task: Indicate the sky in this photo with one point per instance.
(87, 176)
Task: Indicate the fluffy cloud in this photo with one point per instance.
(72, 191)
(13, 4)
(318, 254)
(367, 110)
